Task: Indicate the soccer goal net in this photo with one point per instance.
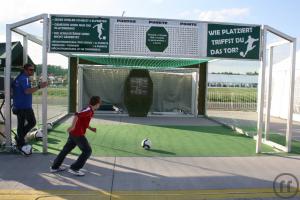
(174, 91)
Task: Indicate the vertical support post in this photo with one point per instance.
(44, 77)
(269, 94)
(291, 98)
(194, 99)
(73, 76)
(7, 87)
(262, 93)
(25, 49)
(196, 76)
(80, 88)
(202, 89)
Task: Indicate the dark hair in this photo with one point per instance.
(94, 100)
(27, 65)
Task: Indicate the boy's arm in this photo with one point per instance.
(72, 127)
(92, 129)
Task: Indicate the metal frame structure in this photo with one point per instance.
(260, 140)
(44, 44)
(26, 37)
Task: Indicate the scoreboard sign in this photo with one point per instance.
(157, 37)
(153, 37)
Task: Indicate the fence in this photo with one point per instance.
(232, 99)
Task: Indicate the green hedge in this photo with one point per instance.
(60, 92)
(241, 95)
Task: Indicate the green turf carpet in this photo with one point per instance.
(124, 140)
(275, 137)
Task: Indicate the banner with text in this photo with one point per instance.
(79, 34)
(152, 37)
(233, 41)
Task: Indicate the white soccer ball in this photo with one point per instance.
(26, 149)
(49, 126)
(38, 134)
(146, 144)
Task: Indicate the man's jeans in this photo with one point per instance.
(26, 121)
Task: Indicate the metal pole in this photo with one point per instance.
(262, 93)
(289, 132)
(27, 21)
(269, 94)
(197, 92)
(44, 77)
(206, 90)
(194, 93)
(25, 49)
(7, 86)
(80, 89)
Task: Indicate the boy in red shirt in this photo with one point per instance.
(77, 131)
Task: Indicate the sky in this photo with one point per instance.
(282, 15)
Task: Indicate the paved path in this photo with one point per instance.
(158, 178)
(146, 178)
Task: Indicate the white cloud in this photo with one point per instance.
(15, 10)
(224, 15)
(158, 1)
(230, 14)
(190, 14)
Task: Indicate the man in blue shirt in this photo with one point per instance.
(22, 102)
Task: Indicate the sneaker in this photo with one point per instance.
(61, 168)
(76, 172)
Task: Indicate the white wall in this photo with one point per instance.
(281, 87)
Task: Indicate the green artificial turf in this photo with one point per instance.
(124, 140)
(275, 137)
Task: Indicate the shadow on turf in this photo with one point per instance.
(56, 150)
(161, 151)
(107, 175)
(220, 130)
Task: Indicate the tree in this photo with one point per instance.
(52, 69)
(252, 73)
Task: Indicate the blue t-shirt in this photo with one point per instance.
(21, 100)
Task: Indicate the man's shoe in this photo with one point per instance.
(61, 168)
(76, 172)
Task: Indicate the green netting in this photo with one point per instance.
(141, 62)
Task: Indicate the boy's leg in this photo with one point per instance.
(69, 146)
(86, 150)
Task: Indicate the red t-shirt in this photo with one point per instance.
(83, 121)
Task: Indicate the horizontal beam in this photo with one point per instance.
(34, 39)
(279, 33)
(27, 21)
(276, 44)
(30, 36)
